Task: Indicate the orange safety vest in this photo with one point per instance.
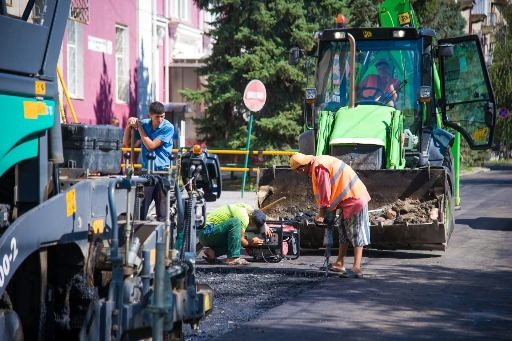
(372, 81)
(344, 181)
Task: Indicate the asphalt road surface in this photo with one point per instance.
(464, 293)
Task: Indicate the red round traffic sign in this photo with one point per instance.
(255, 95)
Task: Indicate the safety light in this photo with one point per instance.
(340, 20)
(196, 149)
(339, 35)
(399, 34)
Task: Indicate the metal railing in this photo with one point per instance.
(225, 152)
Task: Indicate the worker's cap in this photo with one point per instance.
(299, 159)
(381, 61)
(259, 218)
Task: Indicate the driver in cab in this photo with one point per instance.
(381, 87)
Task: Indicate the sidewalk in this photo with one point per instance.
(232, 197)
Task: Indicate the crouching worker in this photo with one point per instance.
(224, 232)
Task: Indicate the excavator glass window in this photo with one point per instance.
(399, 87)
(468, 100)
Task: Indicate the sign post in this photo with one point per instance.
(255, 96)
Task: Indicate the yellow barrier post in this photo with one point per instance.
(66, 95)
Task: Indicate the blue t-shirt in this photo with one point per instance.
(164, 132)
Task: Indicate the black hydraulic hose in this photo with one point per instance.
(55, 136)
(187, 228)
(113, 216)
(180, 210)
(28, 9)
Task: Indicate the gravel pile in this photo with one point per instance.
(241, 297)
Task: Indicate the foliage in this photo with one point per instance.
(252, 39)
(443, 16)
(470, 157)
(363, 13)
(501, 78)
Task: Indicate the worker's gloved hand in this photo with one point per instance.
(255, 241)
(268, 231)
(319, 221)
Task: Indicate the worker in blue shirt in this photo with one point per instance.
(155, 134)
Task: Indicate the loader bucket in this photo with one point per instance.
(410, 209)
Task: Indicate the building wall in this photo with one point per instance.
(485, 20)
(153, 53)
(164, 52)
(189, 48)
(98, 103)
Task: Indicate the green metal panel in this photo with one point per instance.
(371, 124)
(363, 121)
(325, 121)
(394, 13)
(21, 127)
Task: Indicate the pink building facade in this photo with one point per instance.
(118, 56)
(89, 62)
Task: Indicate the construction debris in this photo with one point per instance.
(411, 211)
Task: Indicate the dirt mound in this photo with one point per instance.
(411, 211)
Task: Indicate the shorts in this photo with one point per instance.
(356, 229)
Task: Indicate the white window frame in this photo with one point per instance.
(75, 55)
(180, 9)
(122, 64)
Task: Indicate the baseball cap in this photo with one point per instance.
(259, 218)
(299, 159)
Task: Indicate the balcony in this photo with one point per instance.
(466, 4)
(477, 17)
(487, 29)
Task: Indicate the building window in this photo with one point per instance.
(79, 11)
(122, 65)
(181, 9)
(75, 59)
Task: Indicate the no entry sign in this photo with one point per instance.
(255, 95)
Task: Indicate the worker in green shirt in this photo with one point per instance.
(224, 232)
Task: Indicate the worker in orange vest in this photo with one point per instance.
(337, 186)
(381, 87)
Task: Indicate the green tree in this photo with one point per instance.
(363, 13)
(444, 16)
(501, 78)
(251, 41)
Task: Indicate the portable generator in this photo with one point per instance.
(283, 244)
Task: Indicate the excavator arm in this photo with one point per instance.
(393, 13)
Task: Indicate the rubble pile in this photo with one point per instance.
(411, 211)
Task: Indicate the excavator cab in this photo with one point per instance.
(386, 98)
